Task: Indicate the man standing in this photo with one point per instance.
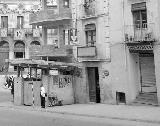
(42, 94)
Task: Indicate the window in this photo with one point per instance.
(51, 2)
(19, 54)
(52, 37)
(66, 38)
(139, 15)
(4, 21)
(90, 35)
(20, 21)
(140, 19)
(66, 3)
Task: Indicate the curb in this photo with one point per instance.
(78, 114)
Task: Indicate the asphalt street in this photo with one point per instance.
(16, 117)
(22, 117)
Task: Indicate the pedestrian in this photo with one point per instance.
(42, 94)
(12, 90)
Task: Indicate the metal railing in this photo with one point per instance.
(50, 14)
(139, 32)
(10, 31)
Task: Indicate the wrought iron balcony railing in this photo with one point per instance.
(139, 33)
(13, 32)
(45, 16)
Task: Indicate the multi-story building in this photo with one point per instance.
(94, 49)
(119, 50)
(16, 35)
(116, 43)
(56, 21)
(134, 62)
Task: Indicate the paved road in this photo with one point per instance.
(5, 96)
(16, 117)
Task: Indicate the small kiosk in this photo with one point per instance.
(56, 77)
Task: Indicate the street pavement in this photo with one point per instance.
(19, 117)
(141, 114)
(145, 114)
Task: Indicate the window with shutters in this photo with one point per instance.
(139, 15)
(90, 31)
(4, 21)
(66, 36)
(20, 21)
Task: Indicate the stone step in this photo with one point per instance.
(146, 99)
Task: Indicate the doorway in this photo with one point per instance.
(147, 71)
(93, 81)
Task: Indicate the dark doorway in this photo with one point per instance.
(19, 54)
(94, 88)
(147, 69)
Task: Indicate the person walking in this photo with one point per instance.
(42, 94)
(12, 90)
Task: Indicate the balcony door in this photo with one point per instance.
(90, 30)
(20, 21)
(4, 21)
(140, 20)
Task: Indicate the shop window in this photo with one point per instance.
(4, 21)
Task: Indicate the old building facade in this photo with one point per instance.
(118, 47)
(16, 35)
(116, 43)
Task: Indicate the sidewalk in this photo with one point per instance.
(123, 112)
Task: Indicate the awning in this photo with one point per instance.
(41, 63)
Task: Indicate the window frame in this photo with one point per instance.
(4, 24)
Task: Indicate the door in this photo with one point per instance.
(148, 80)
(93, 80)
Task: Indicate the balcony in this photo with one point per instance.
(88, 9)
(140, 38)
(49, 16)
(100, 52)
(19, 34)
(50, 51)
(137, 33)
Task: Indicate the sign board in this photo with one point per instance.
(53, 72)
(19, 34)
(36, 33)
(86, 51)
(73, 36)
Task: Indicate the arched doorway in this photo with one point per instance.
(19, 49)
(4, 54)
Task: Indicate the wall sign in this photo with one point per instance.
(19, 34)
(36, 33)
(105, 73)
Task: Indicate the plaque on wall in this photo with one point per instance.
(4, 32)
(36, 33)
(19, 34)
